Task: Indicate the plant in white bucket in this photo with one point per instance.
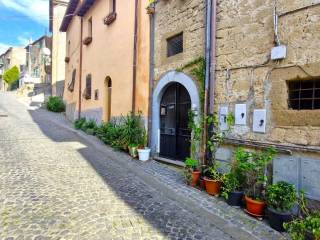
(144, 152)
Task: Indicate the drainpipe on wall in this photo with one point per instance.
(80, 70)
(207, 95)
(134, 74)
(213, 55)
(151, 75)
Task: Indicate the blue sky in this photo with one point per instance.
(22, 20)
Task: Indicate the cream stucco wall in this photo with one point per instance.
(58, 48)
(110, 54)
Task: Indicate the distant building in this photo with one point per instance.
(57, 11)
(38, 62)
(14, 56)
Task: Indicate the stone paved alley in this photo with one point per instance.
(56, 185)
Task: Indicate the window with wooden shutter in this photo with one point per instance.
(73, 80)
(87, 90)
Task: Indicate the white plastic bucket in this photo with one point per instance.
(144, 154)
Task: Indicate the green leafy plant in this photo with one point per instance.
(192, 163)
(230, 184)
(79, 122)
(281, 196)
(307, 223)
(89, 127)
(213, 172)
(55, 104)
(133, 129)
(196, 134)
(12, 75)
(254, 165)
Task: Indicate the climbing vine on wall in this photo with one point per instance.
(197, 68)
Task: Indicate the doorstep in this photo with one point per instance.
(169, 161)
(170, 183)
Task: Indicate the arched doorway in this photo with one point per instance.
(174, 95)
(174, 133)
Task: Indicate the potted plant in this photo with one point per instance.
(280, 198)
(306, 225)
(231, 190)
(191, 172)
(254, 164)
(133, 147)
(233, 182)
(144, 152)
(213, 180)
(201, 178)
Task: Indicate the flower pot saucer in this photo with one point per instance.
(259, 217)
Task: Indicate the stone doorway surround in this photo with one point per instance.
(163, 83)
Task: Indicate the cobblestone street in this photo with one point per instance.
(51, 188)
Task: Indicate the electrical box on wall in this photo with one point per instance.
(241, 114)
(259, 120)
(279, 52)
(223, 115)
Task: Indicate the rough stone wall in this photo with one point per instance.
(173, 17)
(245, 73)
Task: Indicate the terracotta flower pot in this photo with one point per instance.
(213, 187)
(254, 207)
(195, 178)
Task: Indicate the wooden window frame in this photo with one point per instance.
(87, 90)
(112, 16)
(88, 39)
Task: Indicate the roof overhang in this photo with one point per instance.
(72, 6)
(85, 6)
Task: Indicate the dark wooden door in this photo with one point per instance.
(174, 133)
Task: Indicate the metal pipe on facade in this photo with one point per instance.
(135, 40)
(207, 77)
(151, 74)
(80, 70)
(213, 55)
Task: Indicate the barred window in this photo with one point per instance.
(304, 94)
(175, 45)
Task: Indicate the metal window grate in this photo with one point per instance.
(175, 45)
(304, 94)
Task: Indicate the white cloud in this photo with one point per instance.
(4, 47)
(38, 10)
(23, 40)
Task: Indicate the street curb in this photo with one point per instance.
(234, 231)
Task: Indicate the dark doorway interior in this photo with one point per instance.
(174, 133)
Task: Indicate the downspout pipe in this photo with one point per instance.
(135, 44)
(151, 74)
(207, 78)
(80, 67)
(213, 56)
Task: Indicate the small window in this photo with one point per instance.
(90, 27)
(88, 39)
(175, 45)
(87, 90)
(73, 80)
(304, 94)
(112, 15)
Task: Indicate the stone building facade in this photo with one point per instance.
(179, 41)
(245, 74)
(57, 10)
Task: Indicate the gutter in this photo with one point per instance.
(80, 70)
(134, 73)
(213, 55)
(151, 74)
(207, 85)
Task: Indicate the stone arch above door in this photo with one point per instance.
(163, 83)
